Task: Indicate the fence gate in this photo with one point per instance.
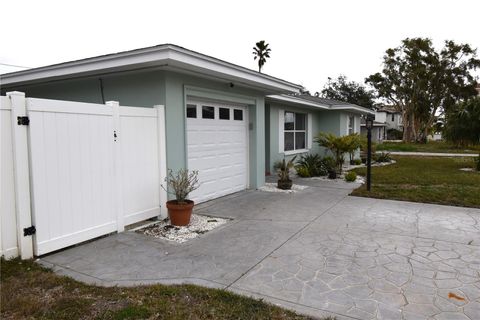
(93, 169)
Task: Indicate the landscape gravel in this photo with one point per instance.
(272, 187)
(198, 225)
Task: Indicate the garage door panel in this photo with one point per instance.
(218, 150)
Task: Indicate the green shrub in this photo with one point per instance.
(383, 157)
(313, 164)
(338, 146)
(329, 164)
(358, 162)
(351, 176)
(477, 162)
(303, 171)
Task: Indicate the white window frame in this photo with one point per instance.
(281, 133)
(353, 124)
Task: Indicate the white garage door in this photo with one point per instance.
(217, 136)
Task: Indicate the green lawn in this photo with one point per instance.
(425, 179)
(29, 291)
(431, 146)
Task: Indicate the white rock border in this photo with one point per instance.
(164, 230)
(272, 187)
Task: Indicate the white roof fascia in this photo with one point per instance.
(309, 103)
(300, 101)
(166, 55)
(353, 108)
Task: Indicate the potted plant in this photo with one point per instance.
(182, 183)
(283, 171)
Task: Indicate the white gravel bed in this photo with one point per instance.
(272, 187)
(198, 225)
(359, 179)
(374, 164)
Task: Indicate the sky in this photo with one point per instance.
(310, 40)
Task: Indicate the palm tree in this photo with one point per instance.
(262, 52)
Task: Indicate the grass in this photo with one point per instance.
(29, 291)
(425, 179)
(431, 146)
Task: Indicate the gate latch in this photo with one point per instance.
(29, 231)
(23, 121)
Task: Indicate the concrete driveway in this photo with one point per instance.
(319, 251)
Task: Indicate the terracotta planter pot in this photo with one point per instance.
(180, 214)
(284, 184)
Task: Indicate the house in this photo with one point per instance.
(388, 122)
(229, 122)
(293, 120)
(379, 130)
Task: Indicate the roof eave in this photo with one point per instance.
(298, 101)
(160, 56)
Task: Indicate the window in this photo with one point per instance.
(295, 131)
(237, 114)
(208, 112)
(351, 125)
(224, 114)
(191, 111)
(393, 117)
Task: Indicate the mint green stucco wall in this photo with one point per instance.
(335, 122)
(146, 89)
(321, 121)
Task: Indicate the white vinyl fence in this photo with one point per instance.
(76, 171)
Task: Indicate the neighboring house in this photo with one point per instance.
(386, 118)
(221, 119)
(292, 121)
(379, 130)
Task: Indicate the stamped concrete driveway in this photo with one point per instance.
(319, 251)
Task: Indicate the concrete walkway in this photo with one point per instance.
(319, 251)
(429, 154)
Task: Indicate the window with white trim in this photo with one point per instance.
(295, 131)
(351, 124)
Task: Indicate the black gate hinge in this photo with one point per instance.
(29, 231)
(23, 121)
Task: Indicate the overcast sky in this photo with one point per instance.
(310, 40)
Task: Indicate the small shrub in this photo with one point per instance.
(477, 162)
(313, 164)
(303, 171)
(329, 164)
(383, 157)
(183, 182)
(357, 162)
(351, 176)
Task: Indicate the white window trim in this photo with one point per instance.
(291, 152)
(348, 124)
(281, 132)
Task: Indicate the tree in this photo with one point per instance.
(338, 146)
(261, 51)
(349, 91)
(463, 124)
(421, 82)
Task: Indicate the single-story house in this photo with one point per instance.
(229, 122)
